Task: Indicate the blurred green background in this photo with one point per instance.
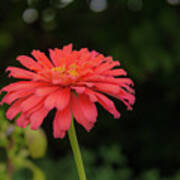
(145, 37)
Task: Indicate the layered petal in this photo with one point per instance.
(50, 101)
(108, 105)
(54, 55)
(62, 122)
(29, 63)
(106, 66)
(91, 94)
(12, 96)
(63, 98)
(84, 111)
(22, 121)
(23, 85)
(67, 49)
(42, 59)
(14, 109)
(115, 72)
(46, 90)
(107, 88)
(20, 73)
(37, 118)
(31, 102)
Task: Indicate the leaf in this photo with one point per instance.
(36, 142)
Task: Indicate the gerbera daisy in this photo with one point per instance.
(70, 81)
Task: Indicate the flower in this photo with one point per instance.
(72, 82)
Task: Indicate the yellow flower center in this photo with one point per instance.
(60, 69)
(72, 70)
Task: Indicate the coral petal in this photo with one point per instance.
(23, 85)
(63, 98)
(79, 90)
(62, 122)
(106, 66)
(44, 91)
(108, 105)
(91, 94)
(106, 87)
(31, 102)
(37, 118)
(88, 108)
(29, 63)
(67, 49)
(50, 101)
(79, 115)
(115, 72)
(14, 109)
(42, 59)
(54, 55)
(20, 73)
(12, 96)
(22, 121)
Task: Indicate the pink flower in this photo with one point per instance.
(71, 82)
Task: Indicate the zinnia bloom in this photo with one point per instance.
(72, 82)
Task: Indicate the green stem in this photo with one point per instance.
(76, 151)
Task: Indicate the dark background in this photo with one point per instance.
(145, 37)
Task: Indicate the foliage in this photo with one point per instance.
(16, 145)
(107, 163)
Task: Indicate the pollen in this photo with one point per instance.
(73, 70)
(73, 73)
(60, 69)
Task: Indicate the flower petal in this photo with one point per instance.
(91, 94)
(106, 87)
(37, 118)
(63, 98)
(14, 109)
(79, 90)
(85, 113)
(67, 49)
(20, 73)
(115, 72)
(54, 55)
(62, 122)
(42, 59)
(108, 105)
(127, 98)
(29, 63)
(50, 101)
(22, 85)
(31, 102)
(22, 121)
(88, 107)
(12, 96)
(47, 90)
(106, 66)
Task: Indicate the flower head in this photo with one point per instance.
(72, 82)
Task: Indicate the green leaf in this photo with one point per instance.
(36, 142)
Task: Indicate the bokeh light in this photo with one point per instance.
(30, 15)
(98, 5)
(61, 3)
(173, 2)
